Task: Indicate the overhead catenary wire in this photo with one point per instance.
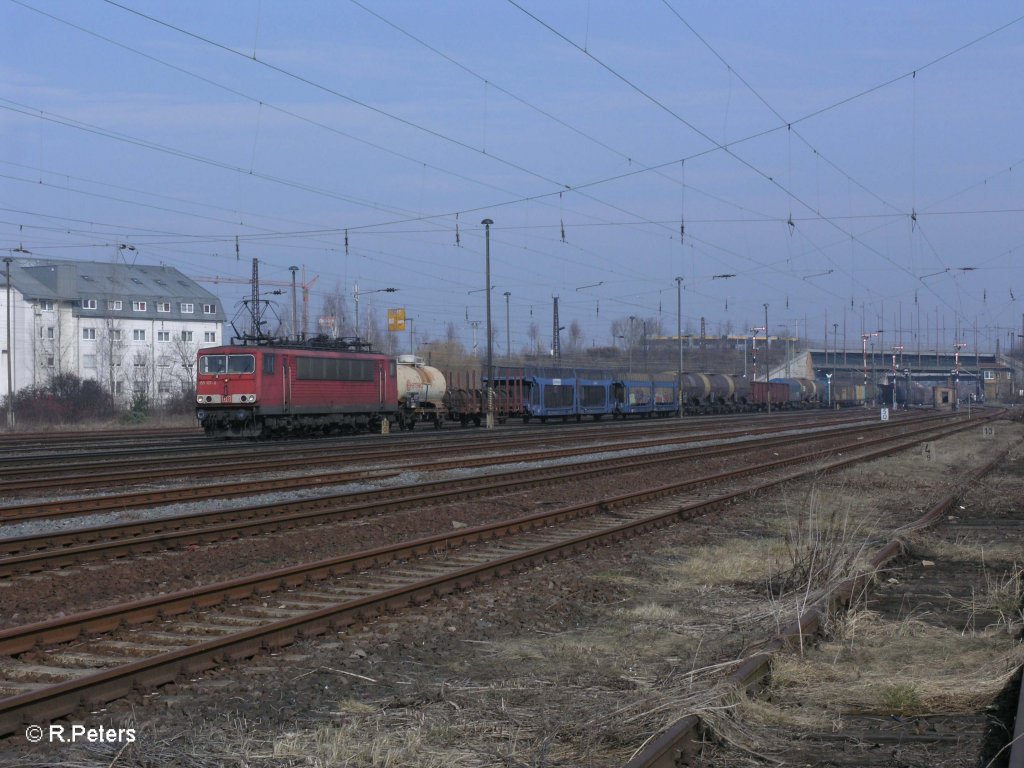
(384, 227)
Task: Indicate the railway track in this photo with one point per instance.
(100, 473)
(65, 548)
(859, 738)
(193, 455)
(53, 667)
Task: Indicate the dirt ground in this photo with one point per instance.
(579, 662)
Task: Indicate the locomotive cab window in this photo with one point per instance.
(268, 363)
(241, 363)
(227, 364)
(212, 363)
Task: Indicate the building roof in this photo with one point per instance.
(58, 279)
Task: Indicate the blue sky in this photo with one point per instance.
(887, 133)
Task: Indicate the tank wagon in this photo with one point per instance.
(421, 393)
(714, 393)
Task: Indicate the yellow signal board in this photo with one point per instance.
(396, 319)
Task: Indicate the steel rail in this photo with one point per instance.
(195, 464)
(66, 548)
(679, 744)
(32, 510)
(53, 701)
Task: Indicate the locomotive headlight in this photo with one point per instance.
(199, 398)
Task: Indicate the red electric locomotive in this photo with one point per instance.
(263, 390)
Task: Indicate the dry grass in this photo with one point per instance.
(715, 565)
(382, 743)
(904, 667)
(932, 546)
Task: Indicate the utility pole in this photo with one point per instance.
(508, 333)
(257, 325)
(556, 342)
(295, 306)
(767, 364)
(679, 338)
(10, 350)
(897, 350)
(490, 338)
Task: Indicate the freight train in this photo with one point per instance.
(340, 386)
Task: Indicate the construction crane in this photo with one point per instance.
(305, 285)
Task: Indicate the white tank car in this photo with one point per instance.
(421, 391)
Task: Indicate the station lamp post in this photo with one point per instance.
(767, 364)
(508, 333)
(490, 339)
(679, 338)
(295, 310)
(897, 350)
(10, 355)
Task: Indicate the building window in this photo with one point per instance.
(89, 334)
(164, 361)
(139, 387)
(138, 306)
(989, 375)
(139, 334)
(49, 360)
(115, 304)
(88, 361)
(209, 336)
(88, 303)
(163, 306)
(46, 333)
(186, 335)
(163, 387)
(118, 387)
(163, 335)
(209, 309)
(115, 334)
(46, 305)
(187, 309)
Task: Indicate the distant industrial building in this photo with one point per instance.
(133, 328)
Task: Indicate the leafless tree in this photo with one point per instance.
(110, 352)
(575, 337)
(334, 317)
(533, 333)
(185, 353)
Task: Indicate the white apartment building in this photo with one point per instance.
(134, 328)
